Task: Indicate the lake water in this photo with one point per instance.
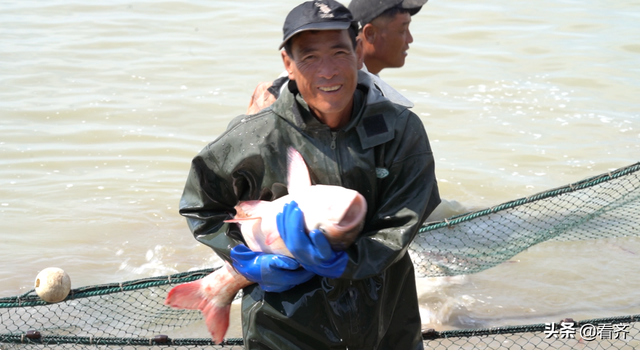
(104, 103)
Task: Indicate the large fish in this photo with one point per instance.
(337, 211)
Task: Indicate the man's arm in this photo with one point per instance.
(261, 98)
(207, 200)
(265, 94)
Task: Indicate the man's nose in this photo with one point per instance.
(409, 37)
(328, 68)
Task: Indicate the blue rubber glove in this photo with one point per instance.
(274, 273)
(312, 250)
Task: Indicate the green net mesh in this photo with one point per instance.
(132, 314)
(603, 206)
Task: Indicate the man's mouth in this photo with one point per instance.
(329, 88)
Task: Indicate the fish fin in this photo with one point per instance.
(247, 210)
(217, 320)
(240, 220)
(298, 174)
(185, 296)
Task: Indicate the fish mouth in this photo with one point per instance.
(347, 230)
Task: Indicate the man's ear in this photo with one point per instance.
(359, 52)
(288, 64)
(369, 32)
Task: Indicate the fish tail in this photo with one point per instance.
(190, 296)
(212, 295)
(217, 319)
(185, 296)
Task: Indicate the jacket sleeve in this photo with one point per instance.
(209, 199)
(405, 198)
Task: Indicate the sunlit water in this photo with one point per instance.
(103, 105)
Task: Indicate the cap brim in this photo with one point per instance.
(317, 26)
(408, 4)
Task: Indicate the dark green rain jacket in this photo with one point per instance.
(384, 154)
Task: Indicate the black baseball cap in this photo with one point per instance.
(316, 15)
(365, 11)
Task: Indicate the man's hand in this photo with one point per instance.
(312, 251)
(274, 273)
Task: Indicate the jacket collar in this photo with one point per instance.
(372, 117)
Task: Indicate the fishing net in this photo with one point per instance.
(603, 206)
(132, 314)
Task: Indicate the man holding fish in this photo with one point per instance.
(331, 270)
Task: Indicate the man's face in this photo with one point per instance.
(393, 39)
(324, 66)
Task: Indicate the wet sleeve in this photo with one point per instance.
(209, 199)
(406, 197)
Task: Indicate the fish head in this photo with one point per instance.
(336, 211)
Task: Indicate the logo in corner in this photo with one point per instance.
(381, 173)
